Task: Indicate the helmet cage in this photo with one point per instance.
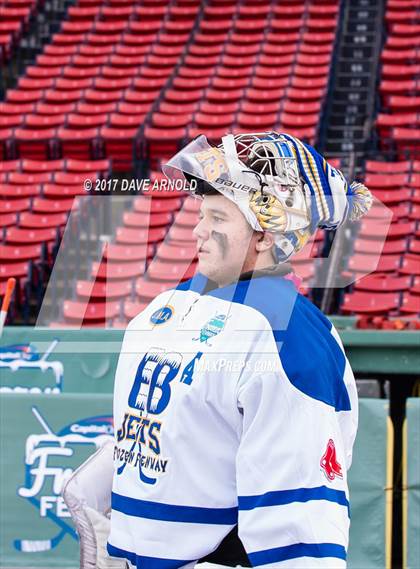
(270, 156)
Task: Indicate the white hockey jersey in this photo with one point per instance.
(235, 406)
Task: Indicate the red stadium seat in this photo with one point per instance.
(36, 144)
(42, 221)
(14, 206)
(383, 283)
(11, 121)
(366, 263)
(76, 121)
(57, 191)
(407, 139)
(48, 206)
(35, 166)
(173, 252)
(27, 83)
(368, 303)
(257, 121)
(371, 230)
(187, 218)
(13, 253)
(16, 270)
(183, 234)
(410, 304)
(123, 253)
(372, 246)
(144, 204)
(92, 312)
(9, 165)
(147, 289)
(52, 109)
(133, 219)
(103, 290)
(130, 236)
(78, 144)
(119, 144)
(8, 220)
(410, 265)
(87, 165)
(384, 181)
(118, 271)
(43, 72)
(393, 246)
(393, 196)
(24, 178)
(387, 167)
(159, 270)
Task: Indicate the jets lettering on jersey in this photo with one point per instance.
(149, 396)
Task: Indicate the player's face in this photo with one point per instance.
(225, 240)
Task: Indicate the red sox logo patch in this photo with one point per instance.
(329, 462)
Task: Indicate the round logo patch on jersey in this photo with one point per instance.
(162, 315)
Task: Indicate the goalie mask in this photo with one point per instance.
(280, 184)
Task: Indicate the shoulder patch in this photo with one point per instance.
(162, 314)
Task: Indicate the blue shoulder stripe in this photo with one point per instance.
(311, 357)
(173, 513)
(318, 550)
(283, 497)
(143, 562)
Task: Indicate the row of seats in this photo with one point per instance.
(56, 166)
(36, 199)
(101, 78)
(175, 67)
(388, 256)
(273, 78)
(114, 55)
(398, 122)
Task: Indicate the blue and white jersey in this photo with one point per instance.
(235, 406)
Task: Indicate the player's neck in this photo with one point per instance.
(261, 262)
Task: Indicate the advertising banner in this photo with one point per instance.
(43, 439)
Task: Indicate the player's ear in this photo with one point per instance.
(265, 241)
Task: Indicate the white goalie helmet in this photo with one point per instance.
(280, 184)
(256, 171)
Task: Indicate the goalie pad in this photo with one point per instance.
(87, 495)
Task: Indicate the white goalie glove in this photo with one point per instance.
(87, 495)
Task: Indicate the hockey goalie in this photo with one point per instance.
(235, 407)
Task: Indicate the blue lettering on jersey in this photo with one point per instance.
(151, 391)
(140, 430)
(187, 374)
